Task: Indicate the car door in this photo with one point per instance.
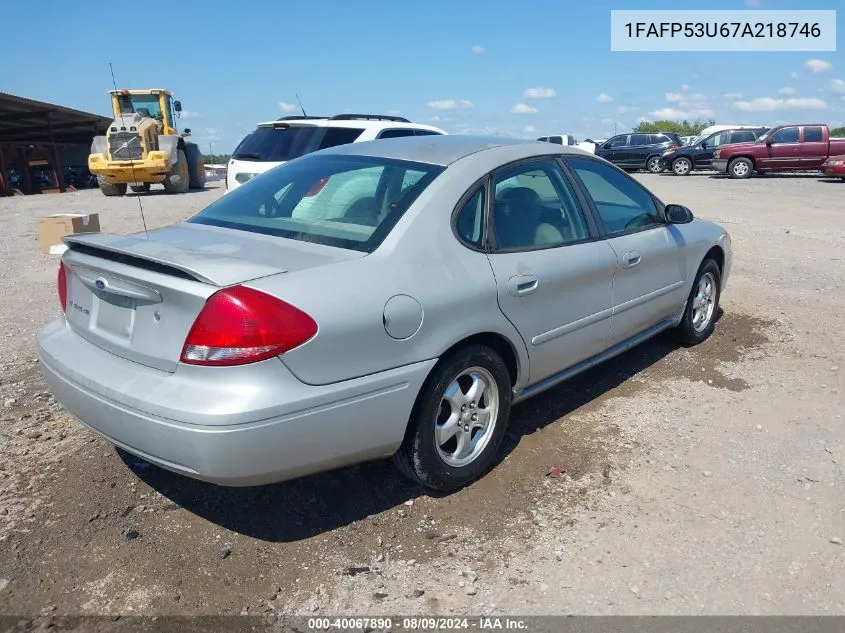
(783, 150)
(814, 148)
(635, 152)
(613, 149)
(554, 278)
(704, 153)
(649, 283)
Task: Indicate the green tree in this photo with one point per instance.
(683, 128)
(216, 159)
(838, 132)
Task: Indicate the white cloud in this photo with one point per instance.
(521, 108)
(436, 119)
(795, 75)
(837, 86)
(732, 96)
(674, 113)
(287, 107)
(477, 49)
(817, 65)
(190, 114)
(786, 90)
(608, 121)
(674, 97)
(624, 109)
(604, 98)
(529, 129)
(767, 104)
(684, 87)
(539, 93)
(449, 104)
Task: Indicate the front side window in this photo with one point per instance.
(395, 133)
(534, 205)
(349, 202)
(621, 202)
(786, 135)
(618, 141)
(421, 132)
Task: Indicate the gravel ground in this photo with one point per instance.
(692, 481)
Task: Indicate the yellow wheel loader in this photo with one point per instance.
(143, 147)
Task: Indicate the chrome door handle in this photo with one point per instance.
(631, 259)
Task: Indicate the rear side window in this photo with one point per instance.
(470, 221)
(742, 137)
(812, 134)
(272, 144)
(340, 136)
(350, 202)
(640, 139)
(395, 133)
(427, 133)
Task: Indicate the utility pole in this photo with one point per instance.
(211, 152)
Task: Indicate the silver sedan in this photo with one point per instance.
(387, 298)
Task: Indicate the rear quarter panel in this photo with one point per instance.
(421, 258)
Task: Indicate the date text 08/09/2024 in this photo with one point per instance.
(724, 29)
(417, 624)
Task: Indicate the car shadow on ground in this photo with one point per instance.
(309, 506)
(775, 176)
(833, 180)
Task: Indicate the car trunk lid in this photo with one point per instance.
(137, 296)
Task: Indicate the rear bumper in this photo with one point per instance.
(154, 169)
(248, 425)
(720, 165)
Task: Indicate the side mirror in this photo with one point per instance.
(678, 214)
(769, 141)
(177, 105)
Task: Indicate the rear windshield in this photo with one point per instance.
(349, 202)
(278, 144)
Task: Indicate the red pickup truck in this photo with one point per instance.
(782, 148)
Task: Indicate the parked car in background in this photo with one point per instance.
(570, 141)
(784, 148)
(835, 166)
(638, 151)
(252, 344)
(683, 160)
(275, 142)
(686, 140)
(712, 129)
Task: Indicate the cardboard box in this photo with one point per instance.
(52, 228)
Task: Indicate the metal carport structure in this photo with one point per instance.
(37, 130)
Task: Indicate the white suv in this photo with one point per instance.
(276, 142)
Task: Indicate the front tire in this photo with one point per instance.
(196, 167)
(178, 180)
(458, 421)
(652, 165)
(111, 189)
(699, 318)
(740, 168)
(682, 167)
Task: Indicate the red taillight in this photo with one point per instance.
(318, 187)
(61, 284)
(675, 146)
(241, 325)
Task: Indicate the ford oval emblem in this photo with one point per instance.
(100, 283)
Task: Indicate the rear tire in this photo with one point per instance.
(178, 180)
(682, 167)
(702, 306)
(111, 189)
(458, 420)
(140, 188)
(740, 168)
(652, 165)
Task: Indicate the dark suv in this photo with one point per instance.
(682, 160)
(638, 151)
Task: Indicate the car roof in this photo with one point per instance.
(356, 123)
(446, 149)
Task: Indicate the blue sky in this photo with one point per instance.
(467, 66)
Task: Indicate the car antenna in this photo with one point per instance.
(300, 106)
(132, 166)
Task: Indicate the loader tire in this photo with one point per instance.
(140, 188)
(196, 167)
(111, 189)
(178, 180)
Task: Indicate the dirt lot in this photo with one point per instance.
(695, 481)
